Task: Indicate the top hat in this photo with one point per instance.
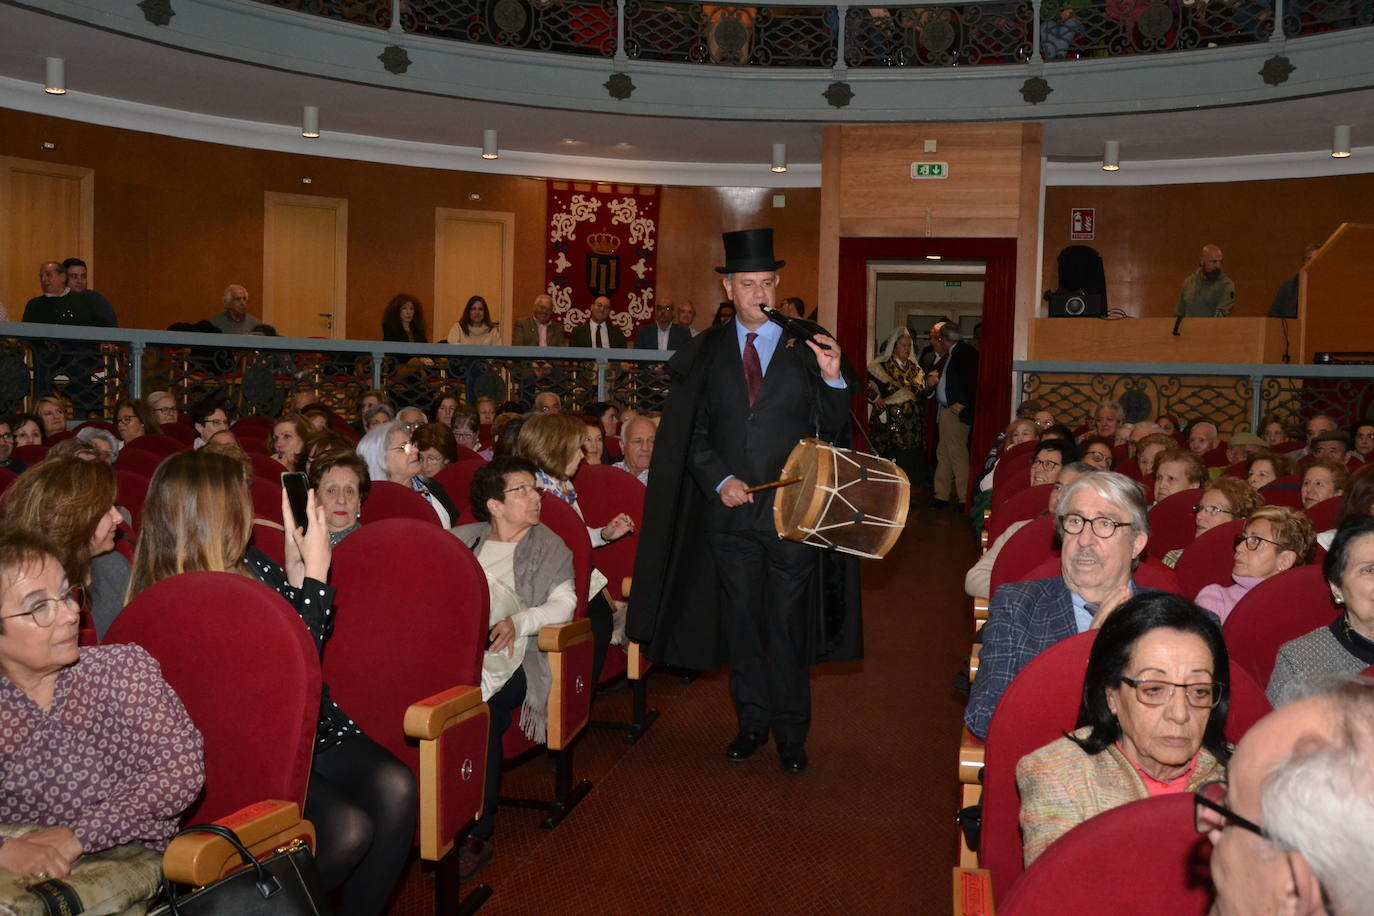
(748, 251)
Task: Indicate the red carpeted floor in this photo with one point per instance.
(672, 827)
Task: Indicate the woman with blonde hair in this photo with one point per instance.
(287, 440)
(70, 503)
(1275, 540)
(362, 800)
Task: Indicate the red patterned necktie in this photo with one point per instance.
(753, 368)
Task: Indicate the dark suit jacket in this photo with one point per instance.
(709, 432)
(525, 334)
(646, 338)
(960, 371)
(582, 336)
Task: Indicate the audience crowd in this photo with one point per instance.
(1126, 513)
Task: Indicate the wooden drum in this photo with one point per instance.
(846, 500)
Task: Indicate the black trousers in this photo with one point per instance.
(767, 582)
(502, 707)
(363, 802)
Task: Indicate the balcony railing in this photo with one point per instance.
(810, 35)
(1233, 396)
(95, 367)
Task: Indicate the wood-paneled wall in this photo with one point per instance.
(178, 220)
(992, 192)
(1150, 236)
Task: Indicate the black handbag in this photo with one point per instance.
(283, 884)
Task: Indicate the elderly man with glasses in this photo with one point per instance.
(1103, 526)
(1292, 831)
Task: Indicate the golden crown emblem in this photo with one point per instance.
(603, 242)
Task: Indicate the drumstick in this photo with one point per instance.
(785, 482)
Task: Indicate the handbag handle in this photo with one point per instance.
(266, 884)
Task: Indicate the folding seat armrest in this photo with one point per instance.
(980, 608)
(451, 727)
(637, 663)
(427, 719)
(563, 636)
(972, 751)
(200, 859)
(569, 647)
(972, 892)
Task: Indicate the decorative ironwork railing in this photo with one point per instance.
(95, 367)
(1232, 396)
(993, 32)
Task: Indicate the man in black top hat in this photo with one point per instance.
(713, 581)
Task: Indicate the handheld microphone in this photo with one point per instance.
(798, 327)
(1178, 323)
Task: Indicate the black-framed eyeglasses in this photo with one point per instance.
(1157, 693)
(1211, 510)
(1045, 464)
(44, 612)
(1252, 542)
(1210, 812)
(1101, 526)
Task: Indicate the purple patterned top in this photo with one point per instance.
(116, 759)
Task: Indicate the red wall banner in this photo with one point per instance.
(603, 241)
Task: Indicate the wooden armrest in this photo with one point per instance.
(561, 636)
(973, 892)
(427, 718)
(637, 663)
(972, 750)
(625, 584)
(980, 608)
(969, 795)
(200, 859)
(983, 540)
(973, 655)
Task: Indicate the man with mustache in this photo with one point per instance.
(1103, 527)
(1207, 292)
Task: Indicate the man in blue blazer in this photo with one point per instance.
(1104, 527)
(665, 333)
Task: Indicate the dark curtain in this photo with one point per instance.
(993, 410)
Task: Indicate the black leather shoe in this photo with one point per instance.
(744, 746)
(792, 759)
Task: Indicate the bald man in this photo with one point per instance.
(1207, 292)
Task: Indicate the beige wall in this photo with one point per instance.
(178, 220)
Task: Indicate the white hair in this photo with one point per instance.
(1113, 406)
(95, 432)
(372, 448)
(229, 293)
(950, 331)
(1319, 801)
(1115, 488)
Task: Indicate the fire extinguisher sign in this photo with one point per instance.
(1082, 224)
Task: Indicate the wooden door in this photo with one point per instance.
(305, 265)
(46, 214)
(474, 255)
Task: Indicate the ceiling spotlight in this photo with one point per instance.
(1111, 156)
(779, 157)
(310, 122)
(56, 81)
(1340, 142)
(489, 144)
(934, 257)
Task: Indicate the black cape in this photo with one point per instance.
(677, 609)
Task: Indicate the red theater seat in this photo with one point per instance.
(1019, 507)
(391, 500)
(1281, 608)
(1208, 560)
(1285, 491)
(1323, 514)
(1172, 524)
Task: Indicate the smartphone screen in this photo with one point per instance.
(295, 484)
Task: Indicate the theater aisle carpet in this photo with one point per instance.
(672, 827)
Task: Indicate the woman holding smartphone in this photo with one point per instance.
(363, 801)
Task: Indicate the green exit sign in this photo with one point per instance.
(930, 170)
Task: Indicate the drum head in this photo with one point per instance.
(797, 506)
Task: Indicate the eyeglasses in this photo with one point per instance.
(213, 423)
(6, 437)
(1044, 464)
(44, 612)
(406, 447)
(465, 436)
(524, 489)
(1211, 510)
(1252, 542)
(432, 460)
(1158, 693)
(413, 425)
(1210, 812)
(127, 418)
(166, 411)
(1102, 526)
